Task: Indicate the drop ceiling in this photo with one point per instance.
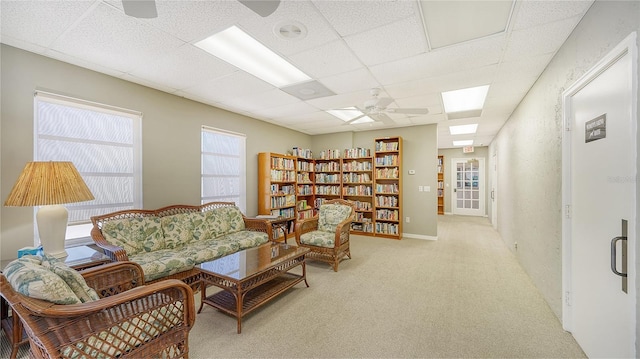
(411, 50)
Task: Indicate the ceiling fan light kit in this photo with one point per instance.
(376, 109)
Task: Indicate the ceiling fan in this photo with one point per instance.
(146, 9)
(376, 109)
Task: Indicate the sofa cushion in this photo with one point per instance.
(331, 215)
(319, 238)
(28, 277)
(135, 235)
(248, 239)
(217, 221)
(163, 262)
(208, 250)
(73, 278)
(201, 230)
(178, 230)
(235, 218)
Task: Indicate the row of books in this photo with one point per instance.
(356, 177)
(304, 178)
(328, 190)
(283, 176)
(356, 166)
(302, 152)
(387, 173)
(305, 190)
(362, 205)
(386, 201)
(284, 201)
(284, 212)
(278, 189)
(357, 152)
(328, 167)
(327, 178)
(283, 163)
(329, 154)
(362, 227)
(382, 146)
(387, 188)
(387, 214)
(386, 228)
(387, 160)
(361, 190)
(305, 166)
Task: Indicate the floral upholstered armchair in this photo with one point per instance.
(327, 234)
(102, 312)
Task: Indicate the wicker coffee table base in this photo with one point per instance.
(240, 297)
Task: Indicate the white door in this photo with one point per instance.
(468, 186)
(600, 152)
(494, 190)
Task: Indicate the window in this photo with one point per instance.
(103, 142)
(223, 167)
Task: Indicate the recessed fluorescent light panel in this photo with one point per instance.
(243, 51)
(463, 143)
(463, 129)
(465, 100)
(349, 113)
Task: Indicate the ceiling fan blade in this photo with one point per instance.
(145, 9)
(384, 118)
(263, 8)
(354, 119)
(409, 111)
(383, 102)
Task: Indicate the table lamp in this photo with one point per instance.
(50, 184)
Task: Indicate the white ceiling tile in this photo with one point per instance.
(354, 16)
(532, 13)
(40, 21)
(253, 103)
(228, 87)
(192, 21)
(389, 42)
(527, 67)
(329, 59)
(119, 42)
(539, 40)
(283, 112)
(300, 13)
(169, 68)
(352, 81)
(470, 55)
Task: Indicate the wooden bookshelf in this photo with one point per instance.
(328, 182)
(305, 196)
(440, 185)
(388, 187)
(357, 187)
(277, 187)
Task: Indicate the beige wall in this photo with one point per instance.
(170, 135)
(451, 153)
(170, 140)
(530, 153)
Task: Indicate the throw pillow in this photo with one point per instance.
(28, 277)
(74, 280)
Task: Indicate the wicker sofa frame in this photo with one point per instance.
(163, 314)
(341, 249)
(190, 277)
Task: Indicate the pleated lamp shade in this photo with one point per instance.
(45, 183)
(50, 184)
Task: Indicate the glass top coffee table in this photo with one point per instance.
(252, 277)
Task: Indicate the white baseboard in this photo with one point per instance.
(420, 236)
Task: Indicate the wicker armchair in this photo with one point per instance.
(130, 320)
(327, 234)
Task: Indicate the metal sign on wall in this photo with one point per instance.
(595, 129)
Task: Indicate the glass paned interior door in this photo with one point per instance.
(468, 187)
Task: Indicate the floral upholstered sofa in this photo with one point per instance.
(169, 242)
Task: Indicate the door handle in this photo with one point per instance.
(614, 241)
(492, 194)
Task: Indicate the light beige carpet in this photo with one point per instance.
(463, 296)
